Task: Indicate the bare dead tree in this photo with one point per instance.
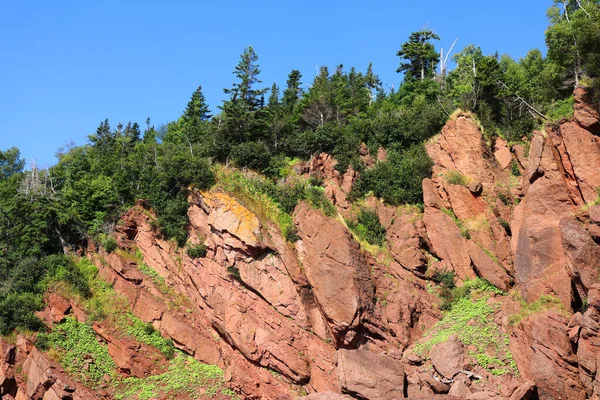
(532, 109)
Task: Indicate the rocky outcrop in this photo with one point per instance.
(325, 318)
(543, 352)
(26, 373)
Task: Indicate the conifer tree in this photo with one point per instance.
(418, 56)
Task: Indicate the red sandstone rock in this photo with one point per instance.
(543, 353)
(448, 357)
(447, 242)
(502, 153)
(586, 116)
(336, 270)
(368, 375)
(487, 268)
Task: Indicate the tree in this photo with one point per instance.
(418, 57)
(293, 90)
(240, 120)
(10, 163)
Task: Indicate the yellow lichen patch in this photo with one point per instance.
(226, 214)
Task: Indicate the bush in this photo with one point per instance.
(253, 155)
(16, 312)
(561, 109)
(398, 180)
(514, 168)
(109, 243)
(368, 227)
(196, 250)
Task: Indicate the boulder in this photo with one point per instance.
(368, 375)
(487, 268)
(448, 357)
(543, 353)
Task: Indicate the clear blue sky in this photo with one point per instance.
(67, 65)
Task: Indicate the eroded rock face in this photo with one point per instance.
(540, 264)
(336, 270)
(543, 352)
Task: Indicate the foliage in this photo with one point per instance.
(514, 168)
(82, 356)
(185, 375)
(145, 333)
(456, 178)
(397, 180)
(273, 201)
(561, 109)
(470, 317)
(196, 250)
(368, 227)
(543, 303)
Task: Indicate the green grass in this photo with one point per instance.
(158, 280)
(464, 231)
(545, 302)
(184, 377)
(455, 178)
(273, 201)
(470, 317)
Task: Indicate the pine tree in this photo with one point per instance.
(419, 58)
(293, 91)
(240, 120)
(194, 117)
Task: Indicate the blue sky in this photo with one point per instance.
(67, 65)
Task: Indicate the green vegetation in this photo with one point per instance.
(397, 180)
(196, 250)
(456, 178)
(145, 333)
(470, 317)
(545, 302)
(158, 280)
(44, 212)
(514, 168)
(274, 201)
(367, 227)
(184, 376)
(81, 355)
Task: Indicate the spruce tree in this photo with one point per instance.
(419, 58)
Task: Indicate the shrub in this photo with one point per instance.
(397, 180)
(561, 109)
(109, 243)
(514, 168)
(253, 155)
(368, 227)
(196, 250)
(16, 312)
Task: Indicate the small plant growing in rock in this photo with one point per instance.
(455, 178)
(196, 250)
(514, 168)
(367, 227)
